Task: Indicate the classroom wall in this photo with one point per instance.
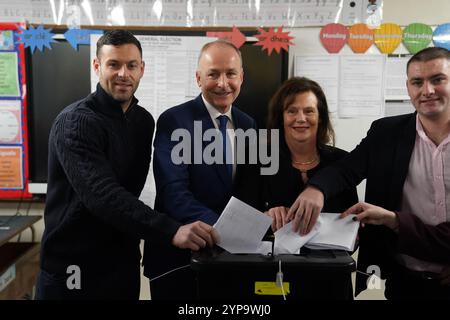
(403, 12)
(348, 131)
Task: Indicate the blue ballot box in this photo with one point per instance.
(312, 274)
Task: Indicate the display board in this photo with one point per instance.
(13, 116)
(62, 75)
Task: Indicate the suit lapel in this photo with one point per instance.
(202, 114)
(404, 148)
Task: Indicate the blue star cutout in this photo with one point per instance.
(36, 38)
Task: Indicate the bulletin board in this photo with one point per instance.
(13, 115)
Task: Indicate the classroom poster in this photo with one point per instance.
(11, 168)
(9, 75)
(10, 122)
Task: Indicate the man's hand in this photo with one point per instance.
(279, 216)
(195, 235)
(306, 210)
(367, 213)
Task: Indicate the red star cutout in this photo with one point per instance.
(271, 40)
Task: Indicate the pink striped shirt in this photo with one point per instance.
(425, 189)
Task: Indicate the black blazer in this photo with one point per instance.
(382, 158)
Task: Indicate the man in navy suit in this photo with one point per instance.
(196, 190)
(407, 210)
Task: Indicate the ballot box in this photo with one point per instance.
(312, 274)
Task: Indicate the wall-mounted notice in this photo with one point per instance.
(10, 122)
(353, 84)
(11, 170)
(361, 85)
(396, 78)
(9, 75)
(325, 71)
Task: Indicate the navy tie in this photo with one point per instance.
(223, 120)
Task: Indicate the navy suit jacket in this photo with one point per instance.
(382, 158)
(189, 192)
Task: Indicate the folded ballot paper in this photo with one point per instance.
(288, 241)
(330, 232)
(241, 229)
(335, 233)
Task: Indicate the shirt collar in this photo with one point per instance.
(422, 134)
(214, 113)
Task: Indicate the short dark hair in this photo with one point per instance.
(286, 94)
(219, 42)
(117, 38)
(429, 54)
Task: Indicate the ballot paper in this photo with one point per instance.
(335, 233)
(329, 232)
(288, 241)
(241, 228)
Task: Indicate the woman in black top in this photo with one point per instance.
(299, 111)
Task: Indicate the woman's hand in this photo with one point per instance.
(368, 213)
(279, 216)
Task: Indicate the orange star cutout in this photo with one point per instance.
(274, 40)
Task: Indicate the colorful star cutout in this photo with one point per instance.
(274, 40)
(36, 38)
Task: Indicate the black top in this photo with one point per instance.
(284, 187)
(98, 162)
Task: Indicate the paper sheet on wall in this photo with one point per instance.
(353, 84)
(325, 71)
(361, 85)
(396, 78)
(10, 122)
(9, 75)
(11, 168)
